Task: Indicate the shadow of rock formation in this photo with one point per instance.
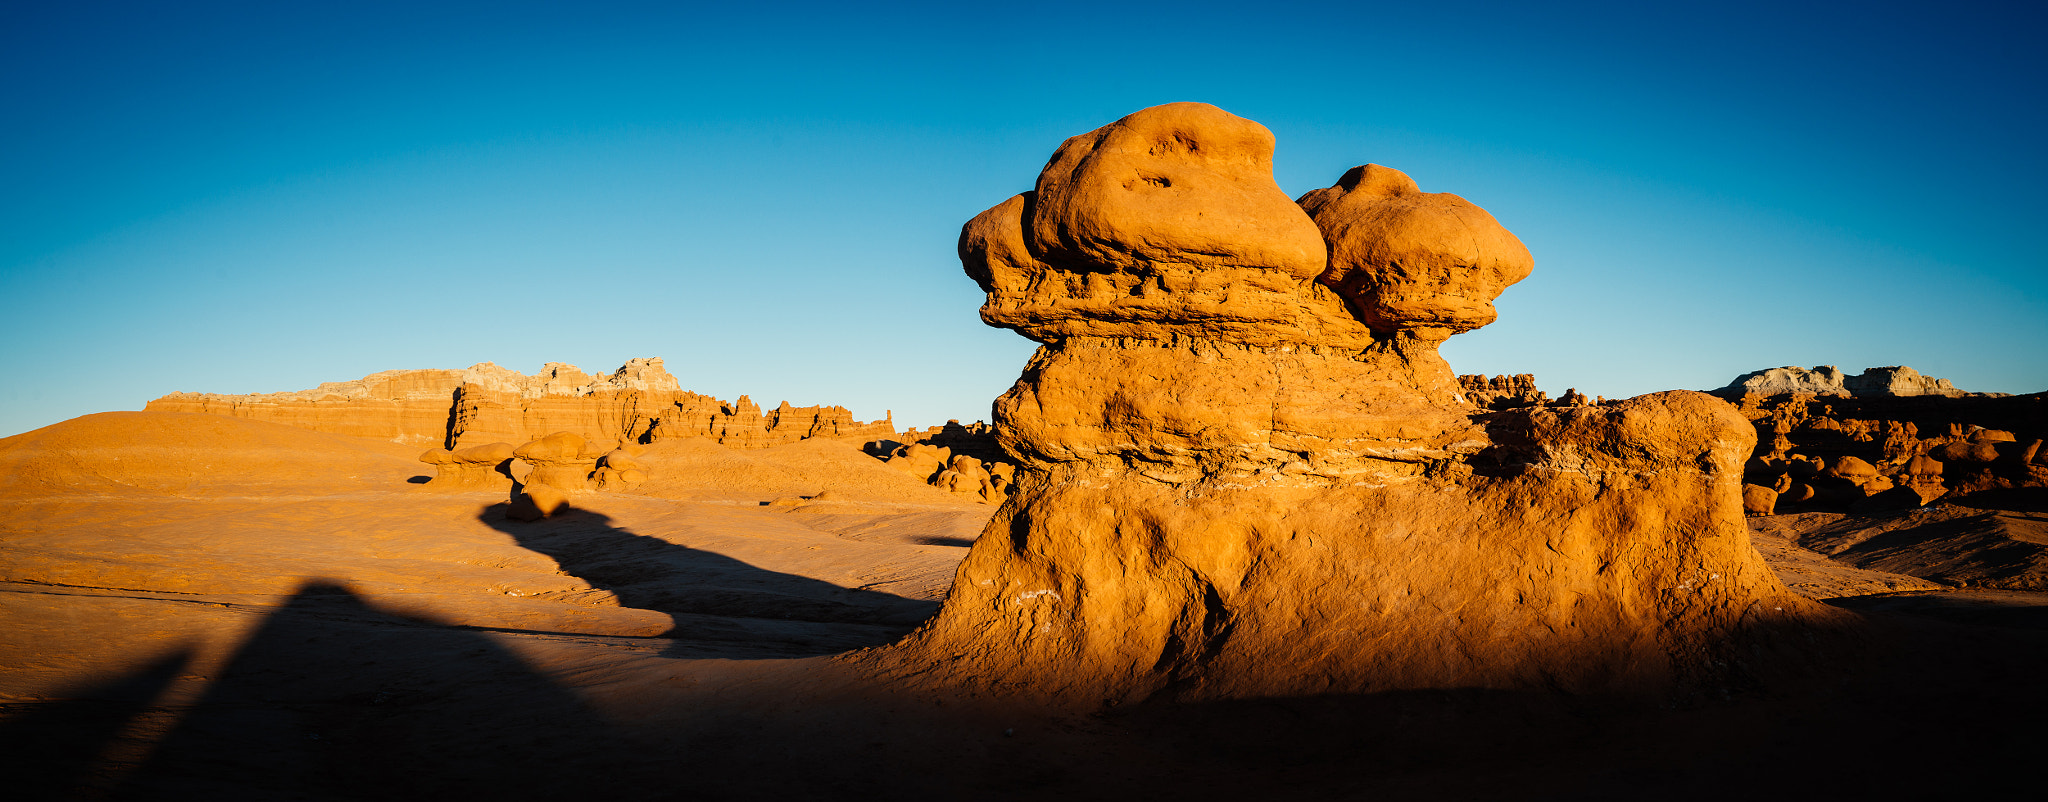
(702, 591)
(60, 750)
(333, 699)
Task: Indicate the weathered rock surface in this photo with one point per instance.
(1246, 474)
(1828, 380)
(1408, 259)
(621, 469)
(561, 460)
(485, 466)
(1502, 392)
(939, 467)
(639, 402)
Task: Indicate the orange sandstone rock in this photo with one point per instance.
(560, 460)
(1232, 485)
(1164, 223)
(485, 466)
(1759, 500)
(1408, 259)
(621, 469)
(484, 403)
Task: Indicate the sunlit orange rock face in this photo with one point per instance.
(1247, 472)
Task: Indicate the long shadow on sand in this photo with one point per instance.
(712, 597)
(330, 698)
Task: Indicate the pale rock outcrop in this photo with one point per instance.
(1828, 380)
(1231, 485)
(486, 466)
(401, 406)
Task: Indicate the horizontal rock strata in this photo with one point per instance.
(639, 402)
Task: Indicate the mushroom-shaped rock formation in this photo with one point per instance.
(486, 467)
(560, 460)
(1231, 484)
(1164, 222)
(1407, 259)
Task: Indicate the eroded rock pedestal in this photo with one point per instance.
(1247, 472)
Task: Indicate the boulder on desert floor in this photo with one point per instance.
(560, 460)
(485, 466)
(621, 469)
(1245, 470)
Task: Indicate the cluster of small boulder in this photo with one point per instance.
(1517, 392)
(557, 465)
(939, 467)
(1911, 471)
(957, 458)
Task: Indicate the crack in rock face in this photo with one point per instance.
(1246, 471)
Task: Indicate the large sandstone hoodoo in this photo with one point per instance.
(1246, 471)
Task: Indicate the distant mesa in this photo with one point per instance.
(1828, 380)
(455, 409)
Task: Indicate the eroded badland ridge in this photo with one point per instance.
(640, 402)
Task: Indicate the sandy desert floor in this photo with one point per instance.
(202, 607)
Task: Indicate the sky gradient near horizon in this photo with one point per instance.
(261, 197)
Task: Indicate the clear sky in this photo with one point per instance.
(260, 197)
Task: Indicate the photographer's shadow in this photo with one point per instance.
(718, 606)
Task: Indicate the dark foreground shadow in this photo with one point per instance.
(332, 699)
(709, 596)
(2010, 609)
(52, 750)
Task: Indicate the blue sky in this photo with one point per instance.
(261, 197)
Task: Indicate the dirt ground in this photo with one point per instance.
(245, 611)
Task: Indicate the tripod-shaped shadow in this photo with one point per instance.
(712, 597)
